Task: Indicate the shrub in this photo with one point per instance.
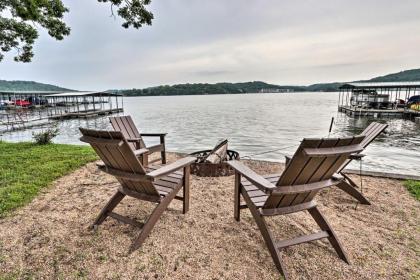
(44, 137)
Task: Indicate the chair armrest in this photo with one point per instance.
(169, 168)
(281, 190)
(133, 139)
(259, 181)
(356, 156)
(140, 152)
(154, 134)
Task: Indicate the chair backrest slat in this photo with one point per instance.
(305, 169)
(371, 132)
(126, 125)
(118, 156)
(299, 161)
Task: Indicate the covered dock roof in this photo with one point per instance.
(28, 92)
(384, 85)
(83, 93)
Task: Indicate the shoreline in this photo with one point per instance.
(387, 175)
(378, 174)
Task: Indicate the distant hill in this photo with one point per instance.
(403, 76)
(324, 87)
(204, 89)
(257, 86)
(29, 86)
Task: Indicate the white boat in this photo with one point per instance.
(364, 98)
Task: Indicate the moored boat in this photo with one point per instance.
(366, 98)
(22, 103)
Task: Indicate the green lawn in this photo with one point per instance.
(414, 188)
(26, 168)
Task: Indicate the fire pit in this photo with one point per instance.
(206, 169)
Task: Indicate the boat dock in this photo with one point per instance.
(379, 100)
(42, 108)
(400, 113)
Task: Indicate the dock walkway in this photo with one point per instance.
(379, 113)
(86, 114)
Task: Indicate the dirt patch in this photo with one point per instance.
(49, 238)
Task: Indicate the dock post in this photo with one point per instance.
(339, 98)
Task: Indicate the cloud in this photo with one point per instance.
(211, 73)
(287, 42)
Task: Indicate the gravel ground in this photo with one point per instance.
(49, 238)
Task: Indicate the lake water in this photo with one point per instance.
(254, 125)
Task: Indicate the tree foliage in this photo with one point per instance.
(218, 88)
(133, 12)
(21, 19)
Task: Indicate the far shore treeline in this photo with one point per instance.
(257, 86)
(202, 89)
(217, 88)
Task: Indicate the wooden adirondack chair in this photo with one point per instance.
(348, 185)
(126, 125)
(155, 184)
(311, 169)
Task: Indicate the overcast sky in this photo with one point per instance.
(282, 42)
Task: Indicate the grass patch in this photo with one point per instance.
(414, 188)
(26, 168)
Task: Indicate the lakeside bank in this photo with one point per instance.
(53, 231)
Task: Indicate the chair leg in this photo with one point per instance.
(186, 190)
(112, 203)
(269, 241)
(163, 152)
(324, 225)
(148, 226)
(237, 197)
(349, 180)
(151, 221)
(163, 157)
(345, 186)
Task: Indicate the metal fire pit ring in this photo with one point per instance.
(204, 169)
